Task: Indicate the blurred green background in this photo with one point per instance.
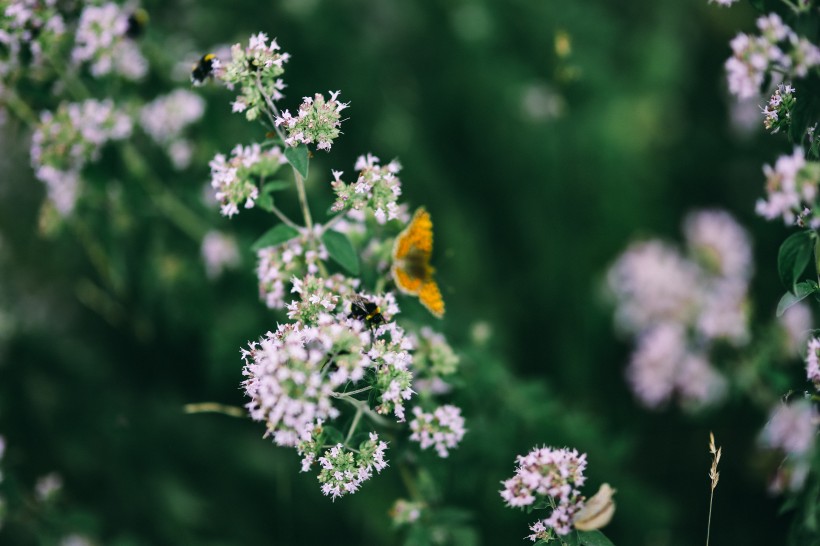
(543, 137)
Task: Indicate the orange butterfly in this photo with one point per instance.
(411, 262)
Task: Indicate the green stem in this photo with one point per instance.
(284, 218)
(98, 300)
(176, 211)
(354, 424)
(96, 254)
(215, 407)
(169, 204)
(380, 284)
(362, 405)
(407, 478)
(74, 85)
(19, 107)
(796, 8)
(351, 393)
(272, 112)
(300, 190)
(333, 221)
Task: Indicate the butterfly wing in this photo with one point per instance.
(417, 237)
(406, 282)
(430, 297)
(411, 262)
(411, 253)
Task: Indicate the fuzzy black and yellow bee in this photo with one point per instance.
(203, 69)
(137, 22)
(367, 311)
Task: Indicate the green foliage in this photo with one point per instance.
(807, 108)
(593, 538)
(802, 290)
(276, 235)
(298, 159)
(518, 160)
(341, 250)
(794, 255)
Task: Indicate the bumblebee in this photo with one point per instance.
(203, 69)
(137, 22)
(367, 311)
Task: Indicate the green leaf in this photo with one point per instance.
(793, 257)
(817, 254)
(571, 539)
(806, 110)
(593, 538)
(332, 435)
(298, 158)
(265, 202)
(802, 290)
(275, 236)
(276, 185)
(341, 250)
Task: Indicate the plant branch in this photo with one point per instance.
(354, 424)
(279, 214)
(215, 407)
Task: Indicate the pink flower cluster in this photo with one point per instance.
(677, 306)
(548, 474)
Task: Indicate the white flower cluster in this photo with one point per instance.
(219, 252)
(405, 512)
(377, 188)
(234, 178)
(725, 3)
(796, 325)
(101, 41)
(48, 486)
(391, 359)
(343, 471)
(256, 70)
(316, 121)
(28, 27)
(791, 190)
(65, 140)
(342, 348)
(777, 113)
(165, 118)
(442, 429)
(813, 362)
(792, 429)
(677, 306)
(754, 56)
(548, 474)
(664, 364)
(278, 264)
(75, 540)
(285, 383)
(317, 299)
